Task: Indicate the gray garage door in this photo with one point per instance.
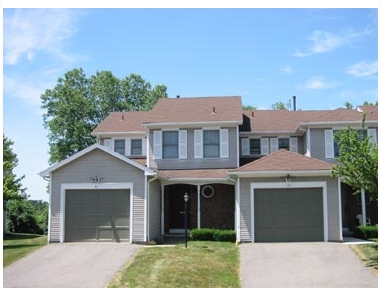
(288, 215)
(97, 215)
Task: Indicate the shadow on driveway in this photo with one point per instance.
(288, 265)
(69, 265)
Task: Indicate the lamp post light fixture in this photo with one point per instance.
(186, 199)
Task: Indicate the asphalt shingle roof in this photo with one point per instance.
(284, 160)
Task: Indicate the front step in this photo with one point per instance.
(346, 232)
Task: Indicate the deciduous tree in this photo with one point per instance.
(77, 104)
(357, 161)
(12, 186)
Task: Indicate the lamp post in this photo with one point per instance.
(186, 199)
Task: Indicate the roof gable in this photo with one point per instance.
(46, 172)
(284, 160)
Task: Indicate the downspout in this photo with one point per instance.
(147, 207)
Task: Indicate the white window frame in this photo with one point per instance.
(223, 143)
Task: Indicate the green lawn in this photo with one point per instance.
(202, 264)
(17, 246)
(368, 253)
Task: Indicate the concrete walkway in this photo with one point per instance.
(289, 265)
(84, 265)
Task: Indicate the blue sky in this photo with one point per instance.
(323, 56)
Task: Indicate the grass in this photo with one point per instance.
(17, 246)
(368, 253)
(202, 264)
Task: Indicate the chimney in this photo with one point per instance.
(294, 103)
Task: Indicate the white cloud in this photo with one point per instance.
(25, 89)
(30, 31)
(318, 83)
(323, 41)
(363, 69)
(287, 70)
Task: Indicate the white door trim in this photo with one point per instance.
(283, 185)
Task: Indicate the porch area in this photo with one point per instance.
(209, 206)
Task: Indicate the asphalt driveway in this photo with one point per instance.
(69, 265)
(327, 265)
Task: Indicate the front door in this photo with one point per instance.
(176, 210)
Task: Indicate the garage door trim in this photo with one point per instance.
(283, 185)
(92, 186)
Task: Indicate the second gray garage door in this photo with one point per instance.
(97, 215)
(288, 215)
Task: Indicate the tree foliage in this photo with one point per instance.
(77, 104)
(357, 161)
(12, 186)
(249, 107)
(27, 216)
(281, 105)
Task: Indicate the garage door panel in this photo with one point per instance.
(97, 215)
(283, 215)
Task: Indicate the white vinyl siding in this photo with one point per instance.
(264, 143)
(329, 144)
(182, 148)
(157, 144)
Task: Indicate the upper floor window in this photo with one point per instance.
(264, 145)
(170, 144)
(119, 146)
(211, 144)
(283, 143)
(136, 147)
(255, 146)
(332, 146)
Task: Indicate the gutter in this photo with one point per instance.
(267, 174)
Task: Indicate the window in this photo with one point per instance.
(120, 146)
(211, 144)
(283, 143)
(255, 146)
(170, 144)
(136, 147)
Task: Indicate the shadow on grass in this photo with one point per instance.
(9, 247)
(16, 236)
